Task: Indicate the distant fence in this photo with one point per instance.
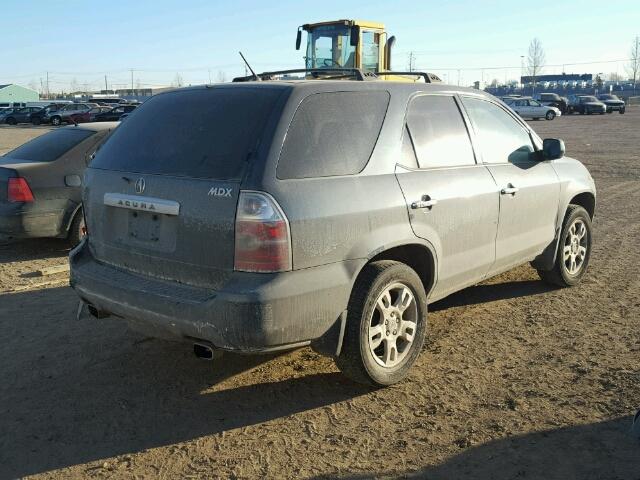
(633, 101)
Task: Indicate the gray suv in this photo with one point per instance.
(265, 216)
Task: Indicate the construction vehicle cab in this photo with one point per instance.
(346, 44)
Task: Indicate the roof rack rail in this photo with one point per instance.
(316, 73)
(428, 77)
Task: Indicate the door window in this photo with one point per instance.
(438, 131)
(370, 51)
(501, 138)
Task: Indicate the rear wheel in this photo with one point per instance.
(574, 249)
(11, 121)
(77, 230)
(386, 324)
(550, 115)
(56, 121)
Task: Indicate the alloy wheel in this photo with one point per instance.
(393, 324)
(575, 247)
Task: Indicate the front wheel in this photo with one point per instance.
(386, 324)
(11, 121)
(550, 115)
(574, 249)
(621, 111)
(56, 121)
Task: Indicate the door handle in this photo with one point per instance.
(426, 202)
(509, 190)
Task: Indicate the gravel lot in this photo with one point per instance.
(517, 380)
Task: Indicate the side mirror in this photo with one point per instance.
(552, 148)
(354, 38)
(298, 39)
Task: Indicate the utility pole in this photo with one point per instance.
(132, 81)
(106, 88)
(458, 77)
(209, 76)
(48, 98)
(522, 73)
(411, 60)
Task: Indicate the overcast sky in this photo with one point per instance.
(79, 42)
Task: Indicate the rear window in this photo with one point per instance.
(332, 134)
(50, 146)
(204, 133)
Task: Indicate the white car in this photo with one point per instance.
(527, 107)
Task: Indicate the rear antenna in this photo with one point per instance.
(249, 67)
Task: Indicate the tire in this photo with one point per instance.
(550, 115)
(77, 229)
(56, 121)
(36, 121)
(11, 121)
(360, 358)
(621, 111)
(560, 275)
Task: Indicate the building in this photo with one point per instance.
(11, 93)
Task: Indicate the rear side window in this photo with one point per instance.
(502, 139)
(438, 131)
(332, 134)
(203, 133)
(50, 146)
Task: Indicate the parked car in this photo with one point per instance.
(6, 111)
(612, 102)
(88, 116)
(114, 114)
(20, 115)
(62, 116)
(43, 115)
(527, 107)
(40, 183)
(552, 100)
(586, 104)
(261, 216)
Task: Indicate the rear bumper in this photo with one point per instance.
(18, 223)
(251, 313)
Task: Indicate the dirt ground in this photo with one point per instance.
(517, 380)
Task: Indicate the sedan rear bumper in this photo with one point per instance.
(16, 223)
(251, 313)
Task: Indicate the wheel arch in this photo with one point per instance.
(420, 256)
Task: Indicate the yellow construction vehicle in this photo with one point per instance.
(347, 44)
(353, 44)
(344, 49)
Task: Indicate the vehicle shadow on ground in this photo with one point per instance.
(486, 293)
(34, 249)
(592, 451)
(73, 391)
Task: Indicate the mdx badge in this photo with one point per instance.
(220, 192)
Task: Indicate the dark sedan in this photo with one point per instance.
(114, 114)
(40, 183)
(612, 102)
(22, 115)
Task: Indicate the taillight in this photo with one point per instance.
(263, 241)
(19, 191)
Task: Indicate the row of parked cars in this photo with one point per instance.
(61, 113)
(552, 105)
